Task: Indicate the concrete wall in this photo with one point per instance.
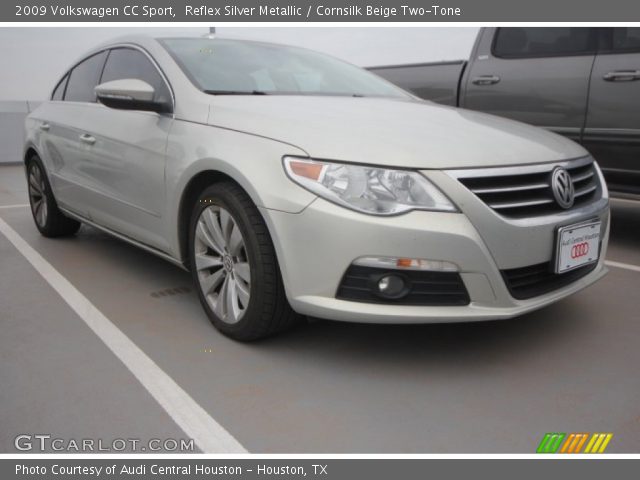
(12, 115)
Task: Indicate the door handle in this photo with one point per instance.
(622, 76)
(45, 127)
(486, 80)
(88, 139)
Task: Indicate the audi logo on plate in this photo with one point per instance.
(562, 187)
(579, 250)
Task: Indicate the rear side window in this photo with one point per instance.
(129, 63)
(528, 42)
(626, 40)
(58, 93)
(83, 79)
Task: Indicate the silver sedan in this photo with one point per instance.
(293, 184)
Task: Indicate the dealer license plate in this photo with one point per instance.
(578, 245)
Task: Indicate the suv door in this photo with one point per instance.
(127, 165)
(612, 131)
(537, 75)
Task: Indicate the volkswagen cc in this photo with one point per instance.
(292, 184)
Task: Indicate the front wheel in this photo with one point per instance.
(233, 263)
(50, 221)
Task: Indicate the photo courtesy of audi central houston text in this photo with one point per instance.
(294, 184)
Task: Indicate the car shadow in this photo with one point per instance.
(625, 223)
(460, 344)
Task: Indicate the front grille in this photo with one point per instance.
(426, 288)
(526, 191)
(535, 280)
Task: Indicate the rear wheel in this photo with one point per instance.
(234, 265)
(50, 221)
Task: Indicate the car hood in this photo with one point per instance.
(393, 132)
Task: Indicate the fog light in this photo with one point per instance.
(392, 286)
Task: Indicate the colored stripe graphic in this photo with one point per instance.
(574, 442)
(581, 442)
(550, 442)
(605, 443)
(570, 443)
(598, 443)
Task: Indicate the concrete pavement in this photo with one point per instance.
(324, 387)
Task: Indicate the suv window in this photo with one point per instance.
(58, 93)
(129, 63)
(519, 42)
(83, 79)
(626, 40)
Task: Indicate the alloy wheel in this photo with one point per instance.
(222, 264)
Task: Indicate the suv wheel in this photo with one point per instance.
(233, 263)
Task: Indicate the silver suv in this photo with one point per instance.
(290, 183)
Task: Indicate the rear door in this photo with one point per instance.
(66, 118)
(612, 132)
(537, 75)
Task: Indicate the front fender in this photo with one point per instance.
(254, 162)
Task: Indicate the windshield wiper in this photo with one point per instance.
(235, 92)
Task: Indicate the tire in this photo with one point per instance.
(232, 258)
(49, 220)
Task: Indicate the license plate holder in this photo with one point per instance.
(577, 245)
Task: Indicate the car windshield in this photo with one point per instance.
(231, 67)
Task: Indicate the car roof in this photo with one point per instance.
(149, 41)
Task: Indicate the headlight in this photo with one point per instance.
(377, 191)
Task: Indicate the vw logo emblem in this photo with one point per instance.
(227, 263)
(562, 187)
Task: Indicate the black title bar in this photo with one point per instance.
(319, 11)
(314, 469)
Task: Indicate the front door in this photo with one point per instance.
(127, 161)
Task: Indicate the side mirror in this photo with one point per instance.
(130, 94)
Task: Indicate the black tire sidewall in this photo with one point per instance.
(48, 195)
(223, 195)
(57, 223)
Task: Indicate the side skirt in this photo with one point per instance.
(124, 238)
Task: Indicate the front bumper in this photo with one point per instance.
(316, 246)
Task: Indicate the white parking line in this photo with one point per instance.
(207, 434)
(21, 205)
(626, 266)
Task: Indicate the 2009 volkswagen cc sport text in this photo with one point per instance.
(292, 184)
